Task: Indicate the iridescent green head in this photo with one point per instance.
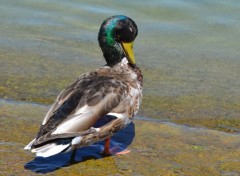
(116, 36)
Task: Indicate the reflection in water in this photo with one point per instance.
(120, 141)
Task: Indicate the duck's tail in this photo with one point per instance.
(60, 145)
(51, 148)
(29, 146)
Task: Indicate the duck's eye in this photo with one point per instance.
(130, 29)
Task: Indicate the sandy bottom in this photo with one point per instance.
(157, 149)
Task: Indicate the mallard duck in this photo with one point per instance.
(113, 92)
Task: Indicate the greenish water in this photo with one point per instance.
(157, 149)
(188, 52)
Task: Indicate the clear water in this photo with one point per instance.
(188, 51)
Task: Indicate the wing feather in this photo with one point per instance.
(61, 99)
(79, 107)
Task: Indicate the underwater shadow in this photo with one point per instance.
(122, 140)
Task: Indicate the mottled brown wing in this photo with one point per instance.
(79, 106)
(64, 96)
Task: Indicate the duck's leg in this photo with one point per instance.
(72, 159)
(105, 132)
(106, 150)
(113, 151)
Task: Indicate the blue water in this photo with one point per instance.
(188, 51)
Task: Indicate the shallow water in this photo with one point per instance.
(188, 52)
(166, 150)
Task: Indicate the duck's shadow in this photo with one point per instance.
(120, 141)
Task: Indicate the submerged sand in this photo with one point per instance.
(157, 149)
(191, 74)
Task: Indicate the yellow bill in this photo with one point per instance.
(127, 47)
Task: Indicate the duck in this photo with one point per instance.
(112, 93)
